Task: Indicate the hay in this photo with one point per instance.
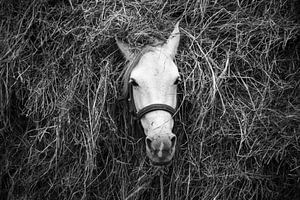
(63, 134)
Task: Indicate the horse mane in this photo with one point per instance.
(125, 74)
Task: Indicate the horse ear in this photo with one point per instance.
(125, 49)
(173, 41)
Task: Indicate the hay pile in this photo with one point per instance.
(63, 134)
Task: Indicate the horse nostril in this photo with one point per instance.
(148, 143)
(173, 141)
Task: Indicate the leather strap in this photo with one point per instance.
(154, 107)
(137, 115)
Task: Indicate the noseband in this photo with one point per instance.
(137, 115)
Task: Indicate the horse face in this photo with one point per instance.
(154, 80)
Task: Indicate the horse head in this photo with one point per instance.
(150, 82)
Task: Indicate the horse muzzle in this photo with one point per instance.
(161, 148)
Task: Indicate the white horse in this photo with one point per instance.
(150, 82)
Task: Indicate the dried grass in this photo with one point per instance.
(63, 133)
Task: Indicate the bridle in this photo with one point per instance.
(137, 115)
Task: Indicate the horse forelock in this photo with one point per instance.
(133, 63)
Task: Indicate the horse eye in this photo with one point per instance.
(178, 80)
(133, 83)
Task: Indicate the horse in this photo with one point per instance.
(150, 82)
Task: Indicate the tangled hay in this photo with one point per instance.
(63, 133)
